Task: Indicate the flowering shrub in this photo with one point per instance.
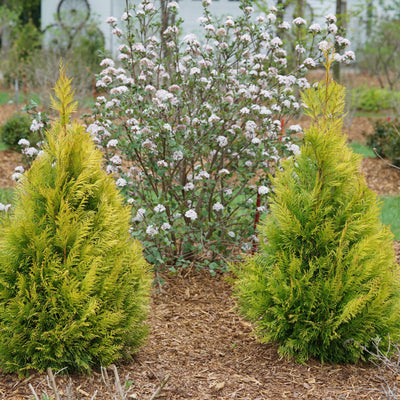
(192, 131)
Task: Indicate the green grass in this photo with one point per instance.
(3, 146)
(371, 114)
(6, 195)
(362, 149)
(390, 214)
(9, 97)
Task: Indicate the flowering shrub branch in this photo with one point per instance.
(193, 133)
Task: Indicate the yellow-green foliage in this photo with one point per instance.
(74, 287)
(325, 282)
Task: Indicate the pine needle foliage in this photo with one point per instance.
(325, 282)
(74, 287)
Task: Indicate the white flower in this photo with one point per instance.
(231, 234)
(152, 230)
(250, 126)
(178, 155)
(295, 128)
(213, 118)
(119, 90)
(349, 55)
(299, 21)
(223, 171)
(341, 41)
(139, 47)
(111, 169)
(165, 226)
(163, 95)
(117, 32)
(324, 45)
(276, 42)
(271, 18)
(194, 71)
(36, 125)
(294, 148)
(330, 18)
(159, 208)
(107, 62)
(19, 169)
(190, 38)
(4, 207)
(228, 192)
(202, 174)
(125, 16)
(248, 164)
(192, 214)
(315, 28)
(112, 143)
(116, 160)
(111, 20)
(263, 190)
(121, 182)
(332, 28)
(162, 163)
(30, 151)
(139, 214)
(222, 141)
(309, 62)
(284, 25)
(16, 176)
(218, 206)
(188, 186)
(173, 4)
(221, 32)
(24, 142)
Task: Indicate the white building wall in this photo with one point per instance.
(191, 10)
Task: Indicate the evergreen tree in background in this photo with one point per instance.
(325, 282)
(74, 287)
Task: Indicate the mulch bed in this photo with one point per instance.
(209, 352)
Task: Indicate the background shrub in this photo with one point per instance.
(374, 99)
(386, 139)
(15, 128)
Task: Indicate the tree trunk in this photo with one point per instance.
(341, 9)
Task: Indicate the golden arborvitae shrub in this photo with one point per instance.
(74, 287)
(325, 282)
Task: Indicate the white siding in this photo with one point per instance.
(191, 10)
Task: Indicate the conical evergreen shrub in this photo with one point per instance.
(325, 282)
(74, 288)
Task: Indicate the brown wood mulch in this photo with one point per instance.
(209, 352)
